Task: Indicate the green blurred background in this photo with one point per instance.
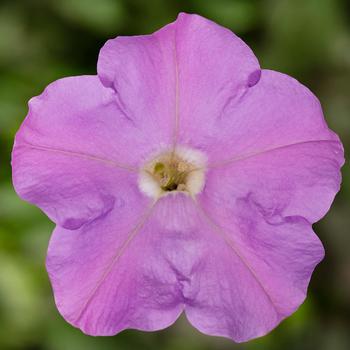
(41, 41)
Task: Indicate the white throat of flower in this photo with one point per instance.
(171, 172)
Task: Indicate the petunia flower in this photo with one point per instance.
(182, 177)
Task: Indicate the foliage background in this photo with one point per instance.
(41, 41)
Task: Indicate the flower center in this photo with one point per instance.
(181, 170)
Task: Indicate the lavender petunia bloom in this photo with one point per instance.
(181, 178)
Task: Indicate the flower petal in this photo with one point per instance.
(299, 180)
(141, 70)
(276, 112)
(253, 273)
(75, 152)
(121, 272)
(179, 78)
(214, 67)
